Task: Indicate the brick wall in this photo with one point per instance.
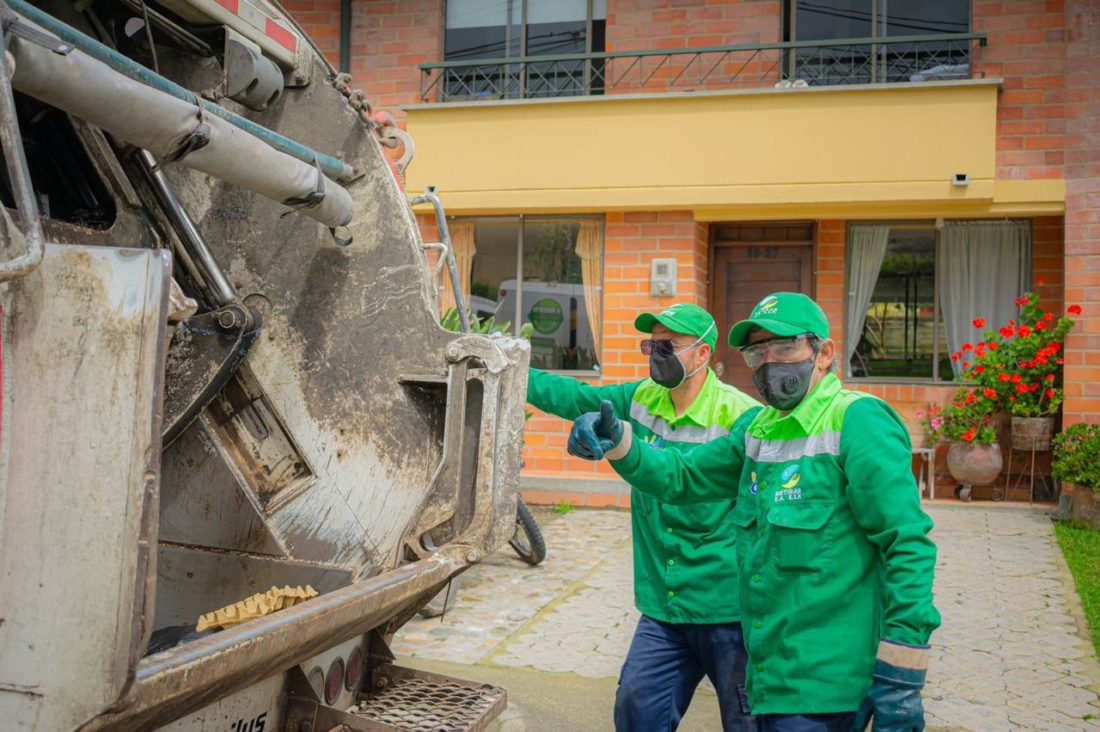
(389, 40)
(321, 20)
(1082, 172)
(639, 25)
(1026, 49)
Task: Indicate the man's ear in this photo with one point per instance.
(826, 355)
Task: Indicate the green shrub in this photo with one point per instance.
(1077, 455)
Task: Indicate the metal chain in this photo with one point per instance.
(381, 123)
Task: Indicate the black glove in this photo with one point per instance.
(594, 434)
(894, 703)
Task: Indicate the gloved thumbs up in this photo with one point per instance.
(608, 425)
(595, 433)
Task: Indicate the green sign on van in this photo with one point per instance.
(546, 315)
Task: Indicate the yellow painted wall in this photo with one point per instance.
(737, 155)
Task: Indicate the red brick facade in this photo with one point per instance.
(1082, 173)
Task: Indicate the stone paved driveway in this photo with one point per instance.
(1011, 655)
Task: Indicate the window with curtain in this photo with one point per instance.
(913, 291)
(506, 29)
(546, 271)
(828, 20)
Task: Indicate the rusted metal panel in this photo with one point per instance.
(85, 338)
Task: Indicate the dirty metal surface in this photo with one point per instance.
(341, 325)
(418, 701)
(84, 346)
(185, 679)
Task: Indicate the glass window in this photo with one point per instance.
(499, 29)
(913, 291)
(824, 20)
(900, 330)
(528, 270)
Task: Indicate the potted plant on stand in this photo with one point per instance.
(973, 457)
(1022, 363)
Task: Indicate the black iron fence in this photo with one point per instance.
(904, 59)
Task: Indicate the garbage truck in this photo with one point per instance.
(237, 451)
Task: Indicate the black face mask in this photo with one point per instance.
(666, 368)
(783, 385)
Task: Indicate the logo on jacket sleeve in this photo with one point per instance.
(754, 487)
(654, 441)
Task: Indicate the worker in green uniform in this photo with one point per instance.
(835, 562)
(685, 576)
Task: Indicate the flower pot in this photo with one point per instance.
(972, 464)
(1032, 433)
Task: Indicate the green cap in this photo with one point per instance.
(681, 318)
(785, 314)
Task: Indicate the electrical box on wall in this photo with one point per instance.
(662, 277)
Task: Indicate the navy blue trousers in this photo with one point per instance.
(665, 664)
(806, 722)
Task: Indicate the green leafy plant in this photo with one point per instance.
(1077, 455)
(1021, 362)
(489, 326)
(563, 508)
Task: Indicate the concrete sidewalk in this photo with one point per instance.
(1012, 654)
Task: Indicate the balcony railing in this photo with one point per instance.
(798, 63)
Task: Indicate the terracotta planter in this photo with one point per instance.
(1032, 433)
(972, 464)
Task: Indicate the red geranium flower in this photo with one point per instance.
(979, 322)
(1021, 388)
(955, 357)
(966, 364)
(979, 369)
(1023, 331)
(1007, 332)
(1016, 378)
(1041, 325)
(970, 434)
(989, 393)
(1050, 377)
(993, 345)
(1060, 361)
(967, 347)
(1050, 393)
(1021, 301)
(1048, 317)
(1004, 377)
(1074, 310)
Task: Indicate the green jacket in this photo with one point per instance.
(684, 566)
(832, 541)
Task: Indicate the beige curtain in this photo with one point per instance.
(462, 242)
(590, 250)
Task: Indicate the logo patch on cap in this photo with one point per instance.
(768, 306)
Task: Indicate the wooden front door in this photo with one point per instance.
(748, 263)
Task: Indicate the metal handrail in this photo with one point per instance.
(440, 69)
(781, 46)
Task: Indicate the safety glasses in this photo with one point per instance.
(780, 350)
(662, 347)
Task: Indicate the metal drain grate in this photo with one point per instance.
(432, 705)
